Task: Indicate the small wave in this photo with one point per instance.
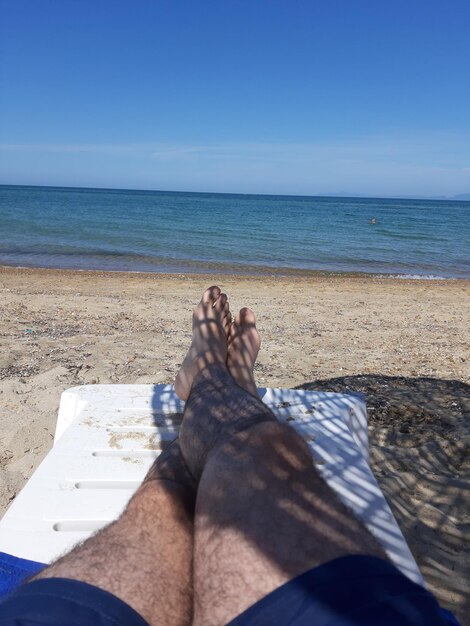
(420, 277)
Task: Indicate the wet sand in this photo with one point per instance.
(405, 343)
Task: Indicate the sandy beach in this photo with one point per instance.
(405, 343)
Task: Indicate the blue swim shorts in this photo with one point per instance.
(349, 591)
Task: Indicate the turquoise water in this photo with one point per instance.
(195, 232)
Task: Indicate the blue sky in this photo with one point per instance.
(309, 97)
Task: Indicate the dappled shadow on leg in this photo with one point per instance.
(263, 513)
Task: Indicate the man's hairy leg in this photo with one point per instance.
(145, 557)
(263, 513)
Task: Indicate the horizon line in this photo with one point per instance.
(340, 194)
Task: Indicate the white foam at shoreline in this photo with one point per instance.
(419, 277)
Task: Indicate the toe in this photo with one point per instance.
(221, 302)
(227, 323)
(231, 331)
(226, 310)
(246, 316)
(211, 295)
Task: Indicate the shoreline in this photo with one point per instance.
(273, 273)
(403, 343)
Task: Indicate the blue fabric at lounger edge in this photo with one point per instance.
(13, 571)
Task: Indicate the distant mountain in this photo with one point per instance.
(460, 196)
(346, 194)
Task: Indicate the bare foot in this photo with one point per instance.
(243, 347)
(211, 326)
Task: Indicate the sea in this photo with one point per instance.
(163, 231)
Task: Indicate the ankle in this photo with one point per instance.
(215, 374)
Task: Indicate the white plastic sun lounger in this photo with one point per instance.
(107, 436)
